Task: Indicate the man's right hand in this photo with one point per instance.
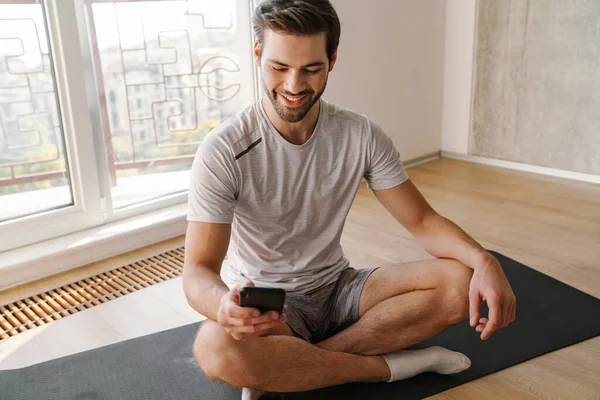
(244, 322)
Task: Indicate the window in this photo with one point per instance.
(146, 43)
(62, 173)
(38, 174)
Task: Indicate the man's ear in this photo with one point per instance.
(333, 60)
(257, 53)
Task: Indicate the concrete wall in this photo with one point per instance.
(391, 66)
(537, 83)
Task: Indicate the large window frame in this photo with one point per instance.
(70, 41)
(86, 210)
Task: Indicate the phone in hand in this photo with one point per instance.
(265, 299)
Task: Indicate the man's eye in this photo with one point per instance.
(312, 71)
(278, 69)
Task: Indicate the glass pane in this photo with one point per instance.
(33, 165)
(170, 73)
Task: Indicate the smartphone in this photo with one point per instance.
(265, 299)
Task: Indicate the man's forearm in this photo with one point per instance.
(442, 238)
(203, 289)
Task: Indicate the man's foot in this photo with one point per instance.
(407, 363)
(251, 394)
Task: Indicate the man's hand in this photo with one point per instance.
(245, 322)
(489, 284)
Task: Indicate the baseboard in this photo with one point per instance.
(413, 162)
(559, 173)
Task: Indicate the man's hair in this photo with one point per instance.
(298, 17)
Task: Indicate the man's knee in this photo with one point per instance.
(222, 358)
(207, 348)
(456, 291)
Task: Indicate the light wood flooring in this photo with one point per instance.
(549, 224)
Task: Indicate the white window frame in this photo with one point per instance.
(86, 209)
(68, 33)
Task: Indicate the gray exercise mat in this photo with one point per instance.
(550, 315)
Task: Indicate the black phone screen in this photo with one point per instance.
(265, 299)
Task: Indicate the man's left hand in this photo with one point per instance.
(489, 284)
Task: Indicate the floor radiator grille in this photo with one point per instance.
(55, 304)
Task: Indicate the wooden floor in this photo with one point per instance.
(549, 224)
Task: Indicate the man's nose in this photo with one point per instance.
(294, 82)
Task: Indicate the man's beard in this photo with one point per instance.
(294, 114)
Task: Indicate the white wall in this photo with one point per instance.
(456, 115)
(391, 68)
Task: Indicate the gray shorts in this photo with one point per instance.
(321, 313)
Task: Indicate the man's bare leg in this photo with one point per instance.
(283, 363)
(280, 363)
(404, 304)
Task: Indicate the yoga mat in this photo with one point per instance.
(550, 315)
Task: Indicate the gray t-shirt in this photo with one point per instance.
(288, 203)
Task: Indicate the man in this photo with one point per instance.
(278, 179)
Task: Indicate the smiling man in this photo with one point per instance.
(271, 187)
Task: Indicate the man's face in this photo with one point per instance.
(294, 71)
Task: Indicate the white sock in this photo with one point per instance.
(251, 394)
(407, 363)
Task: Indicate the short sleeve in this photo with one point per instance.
(384, 166)
(213, 184)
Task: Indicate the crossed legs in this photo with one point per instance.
(400, 305)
